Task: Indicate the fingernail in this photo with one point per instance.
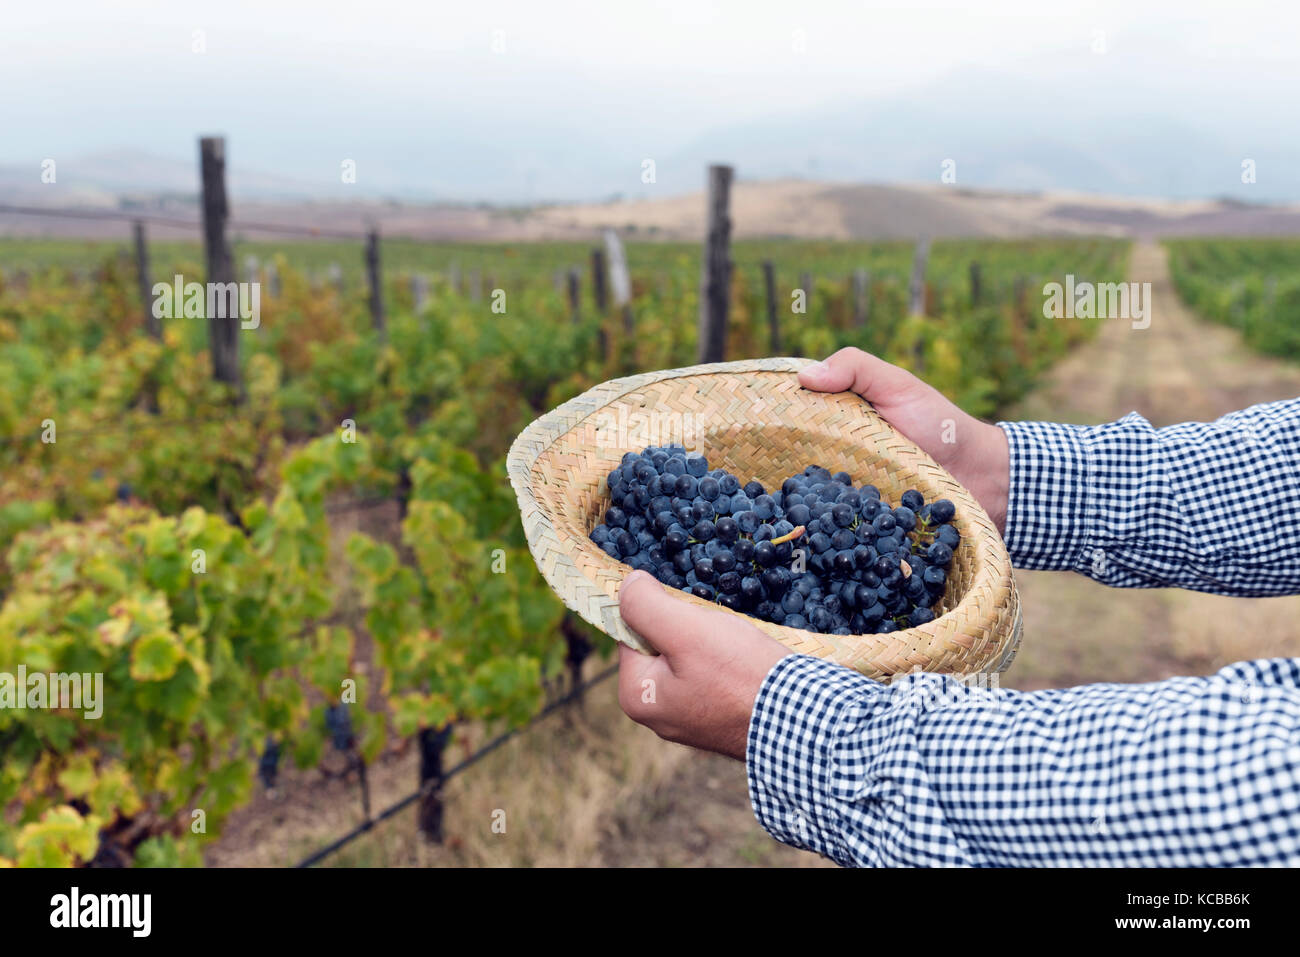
(817, 369)
(636, 574)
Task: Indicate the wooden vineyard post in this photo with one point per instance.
(152, 323)
(433, 745)
(365, 787)
(453, 278)
(917, 286)
(250, 269)
(974, 284)
(272, 281)
(620, 280)
(419, 292)
(917, 304)
(223, 331)
(598, 280)
(773, 323)
(715, 283)
(579, 647)
(375, 278)
(860, 280)
(575, 295)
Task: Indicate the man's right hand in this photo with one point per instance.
(974, 452)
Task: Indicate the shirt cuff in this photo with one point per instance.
(803, 707)
(1047, 500)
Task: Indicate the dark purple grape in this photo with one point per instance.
(727, 529)
(776, 580)
(920, 616)
(939, 554)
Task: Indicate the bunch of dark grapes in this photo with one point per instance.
(818, 553)
(338, 722)
(269, 764)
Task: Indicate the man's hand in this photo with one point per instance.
(700, 690)
(973, 451)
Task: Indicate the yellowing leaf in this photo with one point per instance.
(155, 657)
(112, 633)
(114, 792)
(79, 776)
(61, 838)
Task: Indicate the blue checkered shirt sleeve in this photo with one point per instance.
(932, 771)
(1190, 772)
(1210, 506)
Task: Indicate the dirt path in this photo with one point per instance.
(1179, 369)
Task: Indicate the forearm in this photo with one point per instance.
(928, 771)
(1208, 506)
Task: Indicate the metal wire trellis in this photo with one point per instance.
(370, 823)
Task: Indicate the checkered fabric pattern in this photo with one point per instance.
(1190, 772)
(1210, 506)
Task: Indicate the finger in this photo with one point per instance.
(852, 370)
(639, 677)
(667, 623)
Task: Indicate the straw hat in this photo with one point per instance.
(753, 419)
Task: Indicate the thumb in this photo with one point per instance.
(852, 370)
(668, 624)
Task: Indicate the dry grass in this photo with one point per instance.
(583, 788)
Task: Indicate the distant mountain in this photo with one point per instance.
(1004, 132)
(100, 179)
(778, 208)
(1104, 125)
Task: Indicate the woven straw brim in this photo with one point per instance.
(753, 419)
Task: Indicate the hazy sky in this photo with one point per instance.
(296, 86)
